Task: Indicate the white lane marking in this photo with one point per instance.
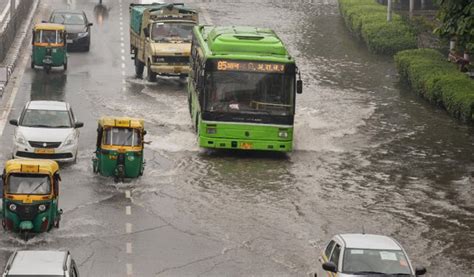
(128, 194)
(123, 65)
(16, 87)
(129, 270)
(123, 57)
(121, 38)
(128, 227)
(121, 28)
(123, 51)
(129, 248)
(122, 44)
(128, 210)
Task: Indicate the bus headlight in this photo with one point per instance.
(211, 130)
(42, 208)
(12, 207)
(283, 134)
(157, 59)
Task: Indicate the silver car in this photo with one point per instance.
(41, 263)
(359, 255)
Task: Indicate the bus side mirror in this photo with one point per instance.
(299, 87)
(146, 31)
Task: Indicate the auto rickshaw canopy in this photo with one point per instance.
(49, 27)
(31, 166)
(124, 122)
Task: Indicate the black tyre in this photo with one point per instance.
(139, 66)
(65, 66)
(151, 76)
(32, 64)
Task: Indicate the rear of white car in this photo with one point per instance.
(46, 130)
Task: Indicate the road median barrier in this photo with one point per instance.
(430, 75)
(367, 20)
(12, 36)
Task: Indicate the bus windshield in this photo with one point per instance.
(29, 184)
(161, 32)
(122, 137)
(250, 92)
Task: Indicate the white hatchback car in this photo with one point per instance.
(363, 255)
(41, 263)
(48, 130)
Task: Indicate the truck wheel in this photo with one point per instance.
(139, 67)
(151, 76)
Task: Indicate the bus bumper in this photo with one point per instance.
(266, 145)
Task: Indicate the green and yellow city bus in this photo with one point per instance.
(242, 88)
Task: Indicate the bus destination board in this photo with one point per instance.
(250, 66)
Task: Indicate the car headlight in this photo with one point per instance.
(82, 35)
(42, 208)
(157, 59)
(283, 134)
(20, 139)
(70, 140)
(12, 207)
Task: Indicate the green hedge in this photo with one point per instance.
(437, 80)
(368, 20)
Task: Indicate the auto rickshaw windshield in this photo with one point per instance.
(29, 184)
(122, 136)
(48, 36)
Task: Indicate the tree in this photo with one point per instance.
(457, 22)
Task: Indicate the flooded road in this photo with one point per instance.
(369, 155)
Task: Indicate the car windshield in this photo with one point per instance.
(29, 184)
(48, 36)
(250, 92)
(68, 18)
(161, 32)
(375, 261)
(46, 119)
(122, 137)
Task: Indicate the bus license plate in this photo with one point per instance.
(44, 151)
(246, 145)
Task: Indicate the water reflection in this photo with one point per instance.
(48, 86)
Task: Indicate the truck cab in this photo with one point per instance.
(160, 38)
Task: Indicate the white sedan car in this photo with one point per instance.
(48, 130)
(363, 255)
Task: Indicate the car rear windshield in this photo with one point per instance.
(373, 260)
(46, 119)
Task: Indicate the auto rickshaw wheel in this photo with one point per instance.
(65, 66)
(25, 235)
(32, 64)
(47, 68)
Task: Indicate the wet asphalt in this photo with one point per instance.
(369, 155)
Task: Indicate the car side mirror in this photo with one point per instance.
(420, 270)
(299, 87)
(44, 21)
(78, 124)
(14, 122)
(90, 24)
(330, 266)
(146, 31)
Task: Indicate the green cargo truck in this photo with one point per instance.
(160, 38)
(242, 88)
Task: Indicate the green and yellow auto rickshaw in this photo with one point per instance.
(49, 46)
(30, 196)
(120, 146)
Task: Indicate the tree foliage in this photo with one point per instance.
(457, 21)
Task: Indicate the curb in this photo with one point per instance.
(12, 56)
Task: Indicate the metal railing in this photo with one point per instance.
(9, 30)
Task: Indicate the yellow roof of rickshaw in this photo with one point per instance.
(31, 166)
(49, 26)
(128, 122)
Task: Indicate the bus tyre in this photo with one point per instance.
(197, 124)
(151, 76)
